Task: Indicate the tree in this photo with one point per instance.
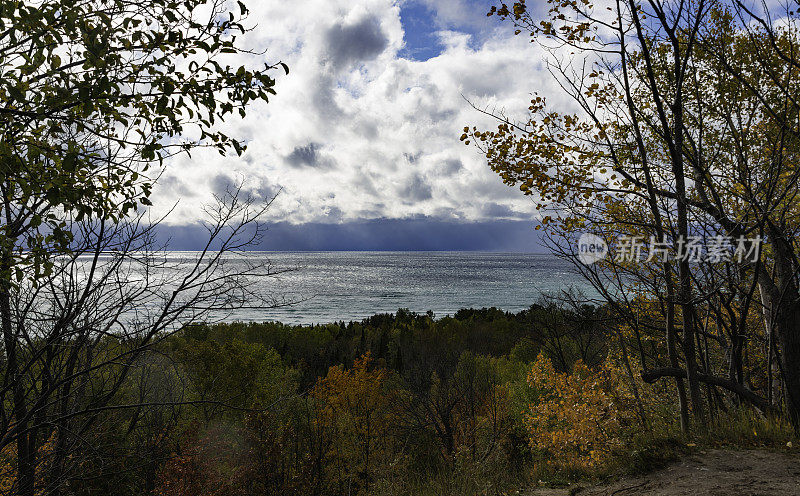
(355, 406)
(684, 127)
(578, 416)
(94, 96)
(94, 93)
(85, 333)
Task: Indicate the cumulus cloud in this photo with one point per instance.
(359, 42)
(417, 190)
(308, 156)
(451, 166)
(357, 131)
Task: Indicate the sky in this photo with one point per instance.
(361, 143)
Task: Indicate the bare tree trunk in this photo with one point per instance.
(788, 337)
(26, 459)
(776, 386)
(685, 285)
(684, 274)
(689, 355)
(783, 308)
(672, 351)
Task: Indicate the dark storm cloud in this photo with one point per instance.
(175, 186)
(304, 155)
(417, 190)
(323, 98)
(308, 156)
(419, 234)
(356, 43)
(412, 157)
(267, 191)
(334, 214)
(222, 184)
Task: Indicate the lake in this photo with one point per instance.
(346, 286)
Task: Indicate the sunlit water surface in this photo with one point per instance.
(332, 286)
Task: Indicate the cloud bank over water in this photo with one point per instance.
(422, 234)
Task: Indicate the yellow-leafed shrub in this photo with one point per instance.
(578, 418)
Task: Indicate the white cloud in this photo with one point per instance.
(358, 132)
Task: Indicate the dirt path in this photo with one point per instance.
(714, 472)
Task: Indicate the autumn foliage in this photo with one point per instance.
(354, 407)
(397, 404)
(579, 418)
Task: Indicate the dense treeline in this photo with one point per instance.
(405, 339)
(363, 406)
(480, 402)
(378, 405)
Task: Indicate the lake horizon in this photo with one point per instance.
(332, 286)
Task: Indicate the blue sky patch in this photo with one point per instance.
(421, 41)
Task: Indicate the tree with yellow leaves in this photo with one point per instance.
(579, 417)
(354, 406)
(685, 127)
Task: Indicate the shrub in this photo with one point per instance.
(578, 419)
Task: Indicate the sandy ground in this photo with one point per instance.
(713, 472)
